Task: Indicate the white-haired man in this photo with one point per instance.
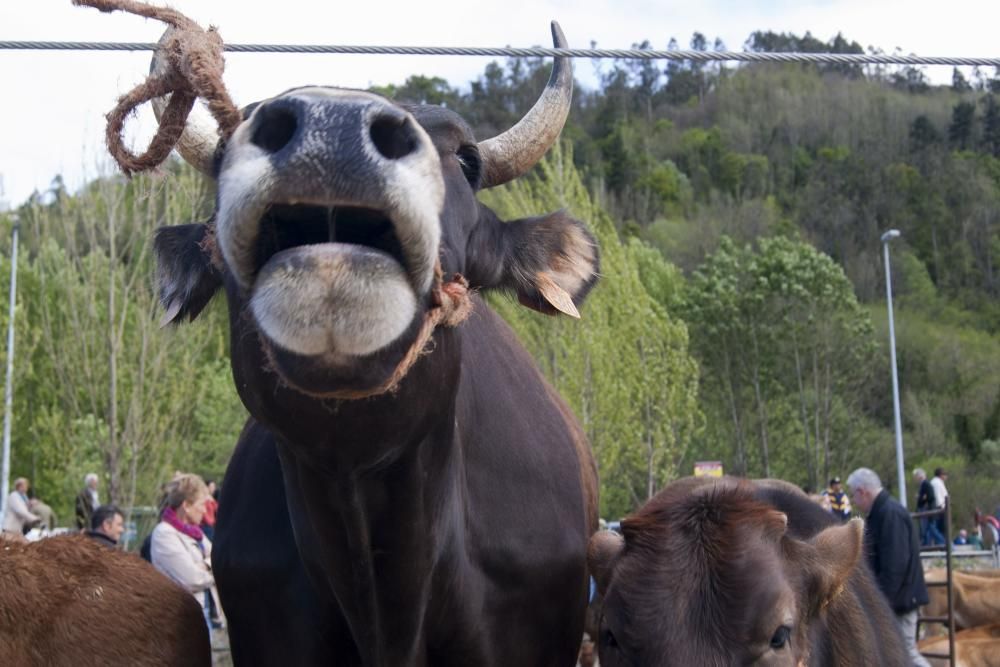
(893, 549)
(87, 501)
(17, 515)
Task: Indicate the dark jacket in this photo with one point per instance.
(101, 538)
(925, 496)
(84, 509)
(893, 548)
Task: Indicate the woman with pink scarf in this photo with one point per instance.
(178, 547)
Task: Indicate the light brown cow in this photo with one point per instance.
(976, 601)
(70, 601)
(976, 647)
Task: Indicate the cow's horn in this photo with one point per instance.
(511, 154)
(201, 134)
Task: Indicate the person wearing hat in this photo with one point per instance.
(840, 504)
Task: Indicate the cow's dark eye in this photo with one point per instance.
(468, 158)
(780, 637)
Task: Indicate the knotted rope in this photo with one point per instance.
(195, 66)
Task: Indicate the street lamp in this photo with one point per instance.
(886, 238)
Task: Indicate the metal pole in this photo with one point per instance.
(900, 472)
(9, 391)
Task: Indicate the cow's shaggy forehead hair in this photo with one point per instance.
(706, 546)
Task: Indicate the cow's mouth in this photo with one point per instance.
(287, 226)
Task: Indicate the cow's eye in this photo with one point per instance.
(780, 637)
(468, 158)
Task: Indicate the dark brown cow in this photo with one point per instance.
(728, 572)
(68, 601)
(448, 517)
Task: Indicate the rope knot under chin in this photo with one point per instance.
(453, 299)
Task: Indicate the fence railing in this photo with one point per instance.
(949, 619)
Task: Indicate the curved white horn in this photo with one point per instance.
(201, 133)
(511, 154)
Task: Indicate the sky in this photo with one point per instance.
(52, 103)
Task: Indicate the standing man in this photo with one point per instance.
(893, 552)
(87, 501)
(18, 515)
(840, 504)
(929, 533)
(940, 497)
(107, 525)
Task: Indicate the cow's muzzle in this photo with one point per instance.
(328, 216)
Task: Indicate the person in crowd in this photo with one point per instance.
(840, 504)
(211, 507)
(107, 525)
(962, 538)
(17, 515)
(893, 549)
(929, 533)
(87, 501)
(940, 497)
(47, 517)
(179, 548)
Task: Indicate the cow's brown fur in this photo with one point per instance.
(976, 647)
(70, 601)
(976, 598)
(709, 571)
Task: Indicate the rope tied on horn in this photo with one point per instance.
(195, 66)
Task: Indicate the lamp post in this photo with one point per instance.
(8, 393)
(900, 472)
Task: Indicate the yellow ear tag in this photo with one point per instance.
(555, 295)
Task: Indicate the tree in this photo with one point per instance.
(959, 84)
(963, 118)
(779, 333)
(991, 126)
(102, 388)
(624, 368)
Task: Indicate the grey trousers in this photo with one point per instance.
(908, 626)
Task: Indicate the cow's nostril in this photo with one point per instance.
(275, 128)
(393, 136)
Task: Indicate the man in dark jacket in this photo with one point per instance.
(929, 533)
(893, 550)
(106, 526)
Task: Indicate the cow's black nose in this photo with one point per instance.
(393, 134)
(275, 126)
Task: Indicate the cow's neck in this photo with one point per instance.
(378, 524)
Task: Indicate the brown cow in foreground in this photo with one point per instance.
(977, 647)
(732, 572)
(976, 601)
(70, 601)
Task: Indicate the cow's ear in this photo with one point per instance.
(602, 552)
(838, 552)
(187, 270)
(550, 262)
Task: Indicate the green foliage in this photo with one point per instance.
(784, 348)
(625, 368)
(99, 387)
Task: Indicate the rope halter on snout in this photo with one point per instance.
(194, 69)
